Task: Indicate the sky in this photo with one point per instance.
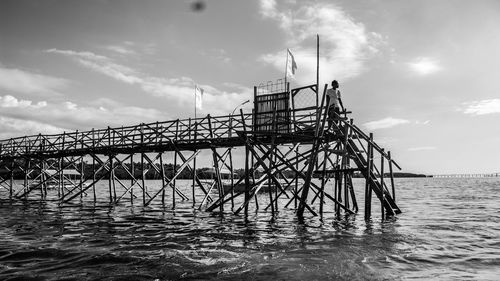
(421, 75)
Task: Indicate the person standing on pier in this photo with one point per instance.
(334, 103)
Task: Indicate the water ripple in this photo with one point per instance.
(450, 229)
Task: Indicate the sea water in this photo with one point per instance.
(449, 230)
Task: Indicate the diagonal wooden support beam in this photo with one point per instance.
(174, 177)
(158, 170)
(102, 166)
(275, 181)
(41, 183)
(197, 180)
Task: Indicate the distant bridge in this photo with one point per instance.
(490, 175)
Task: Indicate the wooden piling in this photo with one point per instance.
(11, 185)
(162, 175)
(132, 179)
(382, 200)
(392, 176)
(143, 180)
(368, 188)
(93, 178)
(110, 179)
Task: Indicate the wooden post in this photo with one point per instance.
(93, 177)
(247, 180)
(42, 177)
(392, 176)
(81, 177)
(269, 185)
(194, 164)
(143, 180)
(368, 188)
(143, 174)
(340, 183)
(26, 171)
(110, 180)
(382, 183)
(345, 164)
(162, 171)
(232, 178)
(322, 197)
(11, 179)
(175, 152)
(173, 182)
(296, 179)
(132, 179)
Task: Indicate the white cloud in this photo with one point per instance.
(122, 50)
(10, 101)
(44, 117)
(216, 54)
(69, 105)
(345, 44)
(424, 66)
(20, 81)
(102, 65)
(14, 127)
(482, 107)
(178, 90)
(385, 123)
(426, 122)
(422, 148)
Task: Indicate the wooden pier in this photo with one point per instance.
(287, 132)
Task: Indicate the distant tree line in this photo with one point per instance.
(151, 173)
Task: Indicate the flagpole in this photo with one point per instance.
(286, 65)
(317, 68)
(194, 160)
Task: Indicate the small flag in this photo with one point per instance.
(198, 93)
(291, 66)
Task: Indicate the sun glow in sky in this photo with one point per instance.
(421, 75)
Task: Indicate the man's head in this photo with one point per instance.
(335, 84)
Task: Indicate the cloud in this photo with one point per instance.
(129, 48)
(102, 65)
(20, 81)
(345, 43)
(424, 66)
(217, 54)
(178, 90)
(14, 127)
(122, 50)
(421, 148)
(10, 101)
(385, 123)
(53, 117)
(482, 107)
(426, 122)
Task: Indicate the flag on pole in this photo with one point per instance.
(291, 65)
(198, 93)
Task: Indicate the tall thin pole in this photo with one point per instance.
(317, 68)
(286, 64)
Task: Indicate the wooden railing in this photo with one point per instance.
(185, 131)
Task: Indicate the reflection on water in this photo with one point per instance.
(450, 229)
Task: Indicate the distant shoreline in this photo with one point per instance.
(399, 175)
